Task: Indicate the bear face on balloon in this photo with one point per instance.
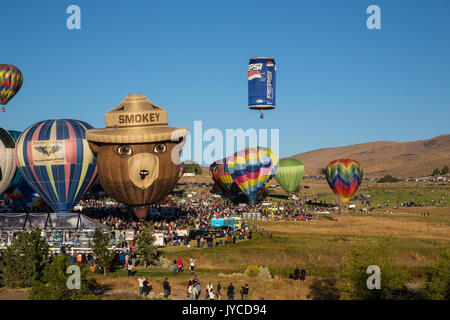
(138, 154)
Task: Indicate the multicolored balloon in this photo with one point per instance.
(7, 166)
(181, 169)
(252, 169)
(290, 174)
(344, 177)
(215, 175)
(11, 80)
(55, 159)
(18, 179)
(20, 195)
(225, 179)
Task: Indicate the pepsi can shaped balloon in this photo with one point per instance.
(261, 83)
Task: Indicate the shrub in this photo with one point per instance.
(24, 260)
(146, 251)
(252, 271)
(53, 283)
(437, 284)
(393, 278)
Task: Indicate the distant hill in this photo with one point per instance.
(399, 159)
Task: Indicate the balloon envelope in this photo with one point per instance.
(344, 177)
(252, 169)
(7, 166)
(10, 82)
(290, 173)
(55, 159)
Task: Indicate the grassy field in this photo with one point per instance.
(319, 246)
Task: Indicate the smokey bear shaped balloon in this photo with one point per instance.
(138, 154)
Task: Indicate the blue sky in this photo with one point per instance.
(338, 83)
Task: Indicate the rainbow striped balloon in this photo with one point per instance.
(344, 177)
(252, 169)
(181, 170)
(225, 179)
(55, 159)
(11, 80)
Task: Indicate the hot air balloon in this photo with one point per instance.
(290, 173)
(20, 195)
(18, 191)
(226, 181)
(261, 84)
(214, 173)
(181, 170)
(54, 158)
(252, 169)
(7, 166)
(10, 82)
(344, 177)
(137, 152)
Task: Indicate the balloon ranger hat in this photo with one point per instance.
(136, 120)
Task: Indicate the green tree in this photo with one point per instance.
(103, 256)
(437, 284)
(53, 283)
(436, 172)
(444, 170)
(24, 260)
(394, 279)
(146, 251)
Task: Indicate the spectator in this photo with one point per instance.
(296, 273)
(302, 275)
(166, 287)
(191, 290)
(192, 263)
(209, 288)
(141, 285)
(211, 295)
(230, 291)
(244, 292)
(147, 287)
(175, 267)
(219, 291)
(130, 268)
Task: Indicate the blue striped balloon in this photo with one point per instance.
(55, 159)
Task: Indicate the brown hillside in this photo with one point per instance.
(399, 159)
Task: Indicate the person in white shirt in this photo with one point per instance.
(192, 263)
(209, 288)
(141, 285)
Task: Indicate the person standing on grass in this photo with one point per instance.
(130, 268)
(141, 285)
(230, 291)
(209, 288)
(219, 291)
(296, 273)
(175, 267)
(302, 275)
(211, 295)
(192, 263)
(166, 287)
(244, 292)
(190, 290)
(146, 288)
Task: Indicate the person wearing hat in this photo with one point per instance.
(138, 154)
